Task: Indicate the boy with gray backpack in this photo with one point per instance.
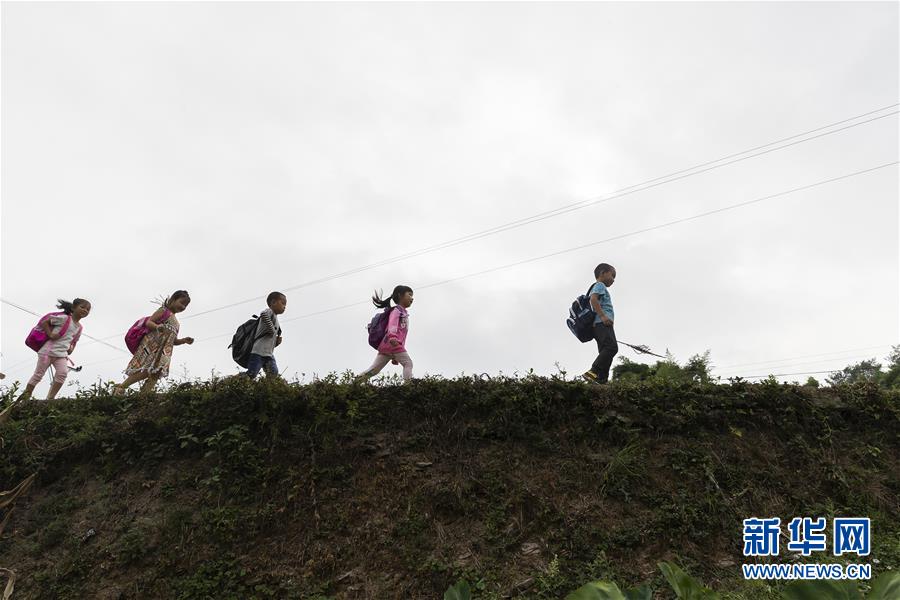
(253, 345)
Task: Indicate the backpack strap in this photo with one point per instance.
(75, 340)
(65, 325)
(162, 319)
(260, 336)
(588, 296)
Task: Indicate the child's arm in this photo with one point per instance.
(393, 327)
(180, 341)
(48, 329)
(267, 327)
(595, 304)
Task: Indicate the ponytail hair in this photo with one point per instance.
(176, 295)
(67, 307)
(395, 296)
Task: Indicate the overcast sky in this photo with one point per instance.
(233, 149)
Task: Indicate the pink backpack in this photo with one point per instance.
(137, 331)
(37, 338)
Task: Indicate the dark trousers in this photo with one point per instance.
(258, 362)
(607, 348)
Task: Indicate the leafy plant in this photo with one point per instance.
(459, 591)
(602, 590)
(685, 586)
(886, 587)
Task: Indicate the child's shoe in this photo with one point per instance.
(590, 376)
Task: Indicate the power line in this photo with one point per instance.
(658, 181)
(789, 358)
(663, 225)
(782, 374)
(610, 239)
(806, 363)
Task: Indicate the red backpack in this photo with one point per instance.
(37, 338)
(137, 331)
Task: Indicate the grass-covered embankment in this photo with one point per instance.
(527, 488)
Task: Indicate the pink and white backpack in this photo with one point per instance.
(37, 338)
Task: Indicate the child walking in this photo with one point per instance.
(63, 332)
(393, 346)
(604, 334)
(154, 353)
(267, 337)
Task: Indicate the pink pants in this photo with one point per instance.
(60, 363)
(381, 360)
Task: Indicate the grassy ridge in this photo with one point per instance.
(525, 487)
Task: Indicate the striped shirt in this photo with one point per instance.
(267, 329)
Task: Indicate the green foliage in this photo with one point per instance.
(459, 591)
(863, 371)
(698, 367)
(628, 370)
(870, 371)
(822, 590)
(225, 579)
(685, 586)
(602, 590)
(627, 463)
(601, 477)
(696, 370)
(887, 585)
(132, 546)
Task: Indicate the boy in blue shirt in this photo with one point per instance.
(604, 334)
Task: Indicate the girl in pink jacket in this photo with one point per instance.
(393, 346)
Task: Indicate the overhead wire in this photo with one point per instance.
(781, 375)
(652, 183)
(790, 358)
(842, 359)
(605, 240)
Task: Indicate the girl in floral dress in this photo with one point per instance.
(154, 354)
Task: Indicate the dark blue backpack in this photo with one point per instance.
(581, 317)
(378, 327)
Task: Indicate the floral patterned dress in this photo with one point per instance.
(154, 354)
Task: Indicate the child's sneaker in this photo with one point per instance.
(590, 376)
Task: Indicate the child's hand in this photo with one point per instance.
(278, 341)
(53, 336)
(188, 340)
(606, 320)
(394, 342)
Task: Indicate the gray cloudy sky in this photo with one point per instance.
(236, 148)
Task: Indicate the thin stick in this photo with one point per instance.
(641, 349)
